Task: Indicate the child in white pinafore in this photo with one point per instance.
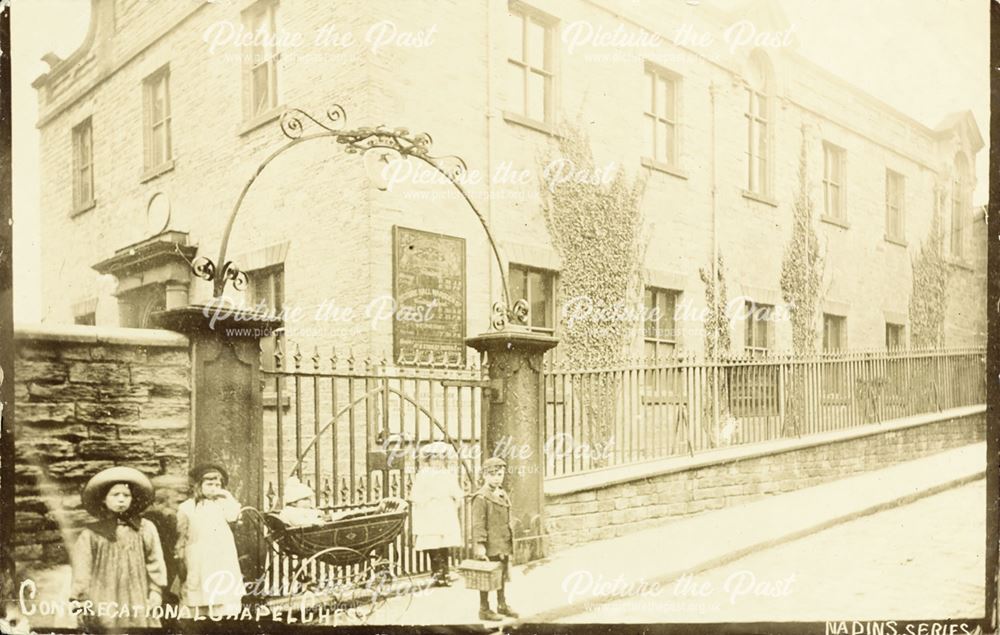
(436, 497)
(206, 546)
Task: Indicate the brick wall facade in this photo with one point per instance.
(339, 227)
(90, 398)
(619, 509)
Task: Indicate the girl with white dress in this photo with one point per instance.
(436, 497)
(206, 547)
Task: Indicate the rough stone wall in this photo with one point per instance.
(88, 398)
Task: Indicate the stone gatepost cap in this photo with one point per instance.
(522, 339)
(208, 317)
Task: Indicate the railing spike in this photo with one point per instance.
(279, 353)
(350, 359)
(315, 358)
(333, 358)
(270, 496)
(297, 357)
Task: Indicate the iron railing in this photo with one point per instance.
(351, 429)
(648, 409)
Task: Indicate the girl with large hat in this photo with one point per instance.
(212, 580)
(118, 560)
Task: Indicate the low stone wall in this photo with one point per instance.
(87, 398)
(622, 506)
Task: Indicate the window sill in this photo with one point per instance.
(834, 221)
(262, 119)
(159, 170)
(82, 208)
(666, 168)
(896, 241)
(527, 122)
(958, 263)
(760, 198)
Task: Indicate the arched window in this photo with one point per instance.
(759, 91)
(959, 205)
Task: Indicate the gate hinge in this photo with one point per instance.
(496, 387)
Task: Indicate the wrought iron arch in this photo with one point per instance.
(397, 141)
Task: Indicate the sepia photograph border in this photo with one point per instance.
(985, 624)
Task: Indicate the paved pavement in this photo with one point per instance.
(572, 583)
(924, 560)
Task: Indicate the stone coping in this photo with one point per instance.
(619, 474)
(99, 335)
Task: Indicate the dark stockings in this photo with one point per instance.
(484, 599)
(439, 562)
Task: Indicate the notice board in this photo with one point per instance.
(428, 280)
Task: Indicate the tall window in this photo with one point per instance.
(158, 142)
(753, 390)
(267, 292)
(894, 194)
(833, 182)
(758, 331)
(835, 376)
(660, 333)
(531, 62)
(262, 63)
(959, 205)
(83, 164)
(834, 332)
(895, 336)
(267, 288)
(758, 122)
(537, 288)
(660, 115)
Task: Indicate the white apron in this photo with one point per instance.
(213, 568)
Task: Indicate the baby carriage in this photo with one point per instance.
(351, 539)
(345, 559)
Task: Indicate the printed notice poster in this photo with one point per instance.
(429, 291)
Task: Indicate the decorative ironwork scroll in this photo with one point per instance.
(392, 143)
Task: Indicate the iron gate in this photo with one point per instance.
(352, 430)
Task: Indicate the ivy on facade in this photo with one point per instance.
(718, 340)
(930, 283)
(595, 222)
(594, 219)
(802, 266)
(718, 343)
(801, 283)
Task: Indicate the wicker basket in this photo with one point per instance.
(482, 575)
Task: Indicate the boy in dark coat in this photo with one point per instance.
(492, 532)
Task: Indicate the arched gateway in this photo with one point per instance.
(351, 428)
